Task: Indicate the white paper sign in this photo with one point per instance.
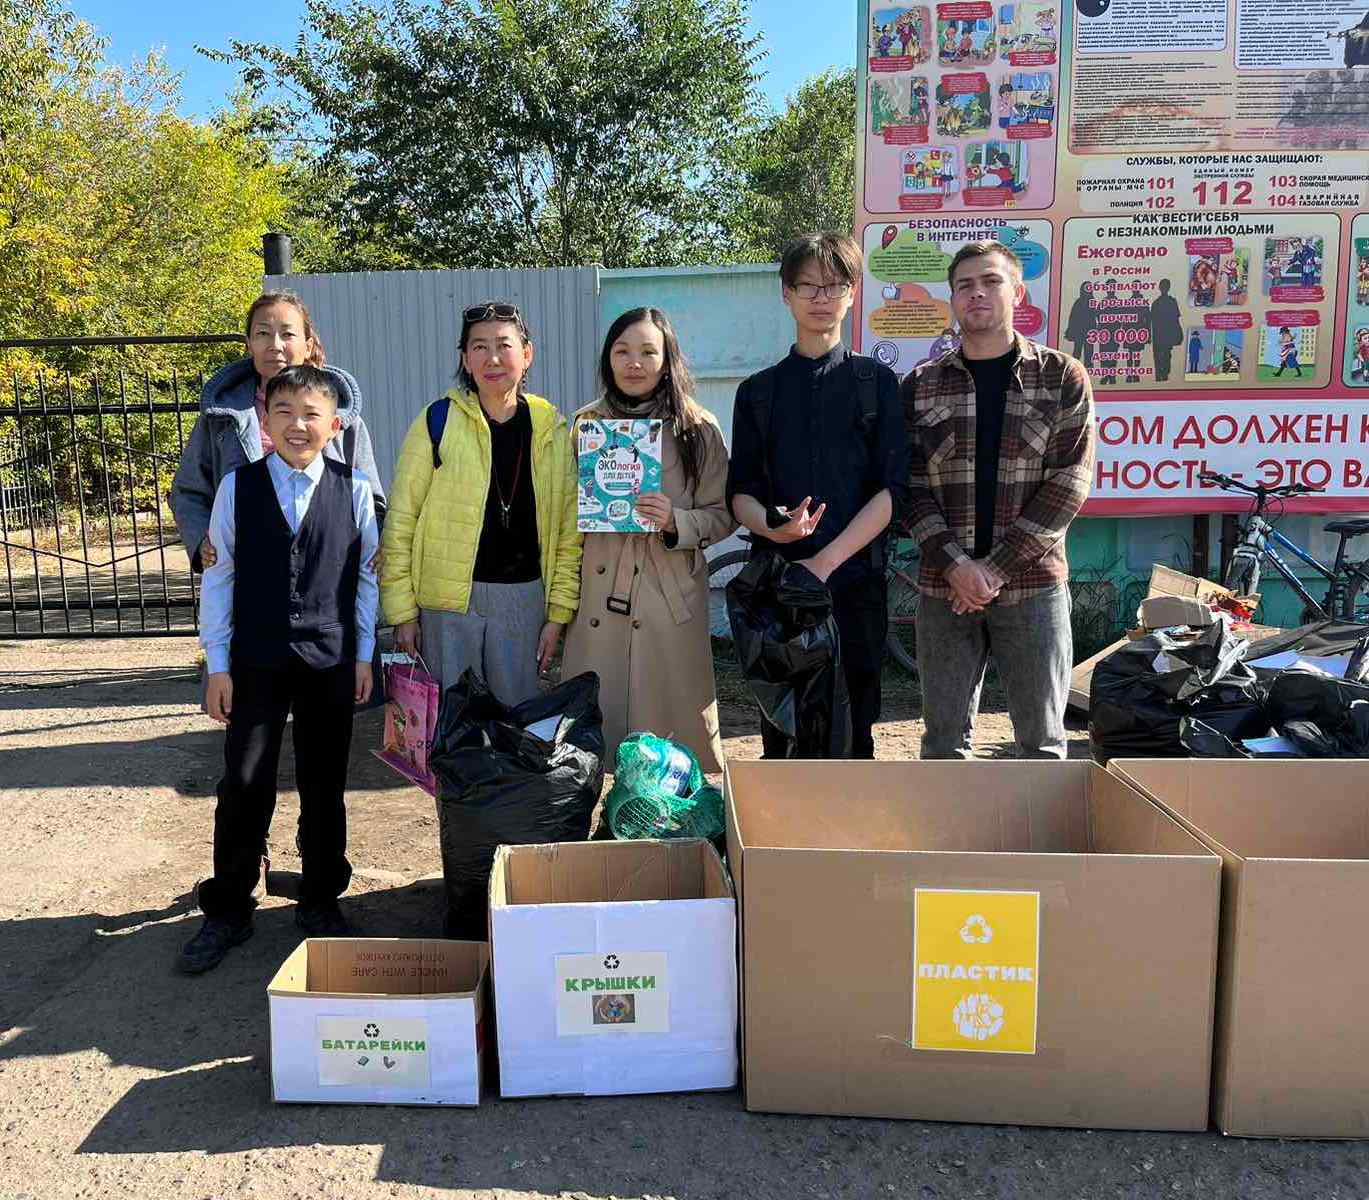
(374, 1052)
(612, 993)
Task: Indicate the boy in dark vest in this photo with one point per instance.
(819, 465)
(287, 621)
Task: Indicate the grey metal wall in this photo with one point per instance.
(396, 332)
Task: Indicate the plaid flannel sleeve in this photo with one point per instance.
(1046, 517)
(923, 517)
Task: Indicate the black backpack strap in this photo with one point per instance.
(349, 444)
(867, 392)
(436, 417)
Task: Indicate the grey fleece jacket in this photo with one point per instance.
(228, 435)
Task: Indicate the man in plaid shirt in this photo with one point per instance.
(1001, 440)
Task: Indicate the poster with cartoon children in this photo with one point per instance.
(1027, 33)
(900, 37)
(1212, 355)
(1293, 267)
(995, 172)
(966, 34)
(1356, 372)
(929, 174)
(1033, 104)
(899, 108)
(962, 105)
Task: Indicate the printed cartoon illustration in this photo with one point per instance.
(1033, 103)
(1287, 353)
(997, 165)
(960, 111)
(963, 43)
(929, 171)
(1293, 262)
(1028, 29)
(900, 37)
(1214, 354)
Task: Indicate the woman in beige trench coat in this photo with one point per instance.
(643, 618)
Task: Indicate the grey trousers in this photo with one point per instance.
(1032, 646)
(497, 635)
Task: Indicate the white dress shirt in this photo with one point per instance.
(294, 491)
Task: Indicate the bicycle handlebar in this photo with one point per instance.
(1228, 484)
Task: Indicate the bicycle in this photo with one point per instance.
(900, 574)
(1259, 539)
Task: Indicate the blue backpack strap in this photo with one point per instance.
(436, 417)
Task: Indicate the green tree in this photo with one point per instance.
(515, 133)
(799, 168)
(117, 216)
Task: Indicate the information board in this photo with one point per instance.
(1186, 186)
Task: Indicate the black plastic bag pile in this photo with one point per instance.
(1142, 694)
(1158, 698)
(788, 646)
(501, 782)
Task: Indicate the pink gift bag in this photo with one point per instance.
(412, 700)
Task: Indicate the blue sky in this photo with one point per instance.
(803, 37)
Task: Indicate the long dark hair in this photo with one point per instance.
(674, 393)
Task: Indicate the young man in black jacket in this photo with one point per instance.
(819, 464)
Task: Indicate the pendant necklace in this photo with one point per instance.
(506, 506)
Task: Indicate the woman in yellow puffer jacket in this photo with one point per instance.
(481, 556)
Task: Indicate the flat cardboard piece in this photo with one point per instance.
(379, 1021)
(616, 968)
(831, 859)
(1291, 1059)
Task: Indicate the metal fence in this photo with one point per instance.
(86, 463)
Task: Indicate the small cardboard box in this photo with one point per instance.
(379, 1021)
(1165, 612)
(615, 965)
(1292, 1043)
(1006, 942)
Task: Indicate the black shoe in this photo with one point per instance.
(322, 920)
(208, 947)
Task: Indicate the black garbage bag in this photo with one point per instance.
(500, 783)
(1324, 716)
(1321, 639)
(788, 646)
(1200, 740)
(1143, 691)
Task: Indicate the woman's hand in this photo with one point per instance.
(208, 555)
(408, 638)
(656, 508)
(547, 644)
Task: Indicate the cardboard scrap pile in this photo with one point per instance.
(1182, 604)
(1190, 684)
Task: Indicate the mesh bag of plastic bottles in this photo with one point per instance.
(659, 792)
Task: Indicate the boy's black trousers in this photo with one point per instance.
(322, 702)
(862, 612)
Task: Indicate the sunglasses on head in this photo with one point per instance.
(491, 312)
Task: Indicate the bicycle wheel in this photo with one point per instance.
(723, 569)
(904, 597)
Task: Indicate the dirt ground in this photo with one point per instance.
(120, 1078)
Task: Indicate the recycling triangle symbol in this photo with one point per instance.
(976, 931)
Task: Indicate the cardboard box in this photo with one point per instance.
(615, 965)
(1292, 1043)
(1164, 612)
(1008, 942)
(379, 1021)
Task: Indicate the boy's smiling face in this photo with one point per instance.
(301, 422)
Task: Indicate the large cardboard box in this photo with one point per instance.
(615, 968)
(379, 1021)
(1292, 1041)
(1021, 942)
